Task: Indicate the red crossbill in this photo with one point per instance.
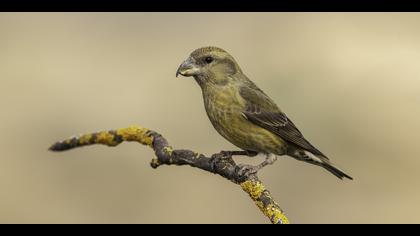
(244, 115)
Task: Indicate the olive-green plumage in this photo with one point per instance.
(243, 114)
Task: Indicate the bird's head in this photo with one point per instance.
(209, 65)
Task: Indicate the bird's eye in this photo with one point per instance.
(208, 60)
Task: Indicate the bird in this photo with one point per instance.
(244, 115)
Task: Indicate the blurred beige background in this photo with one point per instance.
(350, 81)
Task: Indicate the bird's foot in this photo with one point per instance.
(246, 171)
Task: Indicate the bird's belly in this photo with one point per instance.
(242, 133)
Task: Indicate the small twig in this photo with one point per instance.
(219, 163)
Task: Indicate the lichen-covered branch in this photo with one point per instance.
(219, 163)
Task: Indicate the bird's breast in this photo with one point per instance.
(223, 109)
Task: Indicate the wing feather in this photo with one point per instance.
(262, 111)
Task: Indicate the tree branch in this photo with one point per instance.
(219, 163)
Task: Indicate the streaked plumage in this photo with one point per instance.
(243, 114)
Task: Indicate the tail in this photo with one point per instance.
(318, 160)
(335, 171)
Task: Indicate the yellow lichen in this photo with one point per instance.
(69, 140)
(155, 163)
(136, 133)
(275, 214)
(105, 137)
(168, 150)
(259, 204)
(84, 139)
(253, 188)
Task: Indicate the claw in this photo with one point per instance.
(247, 170)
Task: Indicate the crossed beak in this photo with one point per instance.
(187, 68)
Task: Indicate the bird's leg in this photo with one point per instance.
(269, 160)
(248, 170)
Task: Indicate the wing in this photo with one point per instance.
(262, 111)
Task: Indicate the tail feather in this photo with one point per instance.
(335, 171)
(319, 160)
